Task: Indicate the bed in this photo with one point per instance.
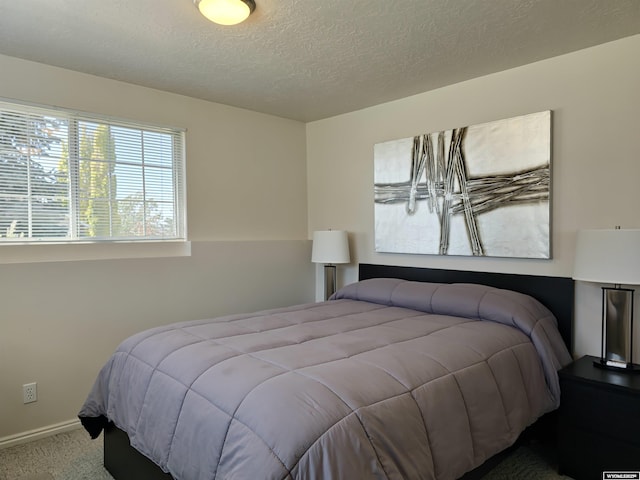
(408, 373)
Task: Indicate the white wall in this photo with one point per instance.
(595, 98)
(246, 189)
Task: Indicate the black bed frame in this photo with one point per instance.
(556, 293)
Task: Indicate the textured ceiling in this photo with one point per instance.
(307, 59)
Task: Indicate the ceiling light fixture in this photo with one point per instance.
(226, 12)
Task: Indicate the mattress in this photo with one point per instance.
(388, 379)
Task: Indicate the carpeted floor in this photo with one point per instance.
(67, 456)
(529, 462)
(74, 456)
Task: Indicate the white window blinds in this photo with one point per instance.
(66, 176)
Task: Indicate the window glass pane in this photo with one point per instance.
(144, 218)
(159, 184)
(14, 178)
(158, 148)
(130, 180)
(49, 218)
(128, 144)
(14, 219)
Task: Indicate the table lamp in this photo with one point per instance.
(613, 257)
(330, 247)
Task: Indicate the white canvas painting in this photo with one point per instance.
(482, 190)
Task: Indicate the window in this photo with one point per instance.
(72, 177)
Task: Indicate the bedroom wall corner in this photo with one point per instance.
(594, 96)
(247, 221)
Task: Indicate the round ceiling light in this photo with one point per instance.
(226, 12)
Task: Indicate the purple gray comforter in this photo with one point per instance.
(388, 380)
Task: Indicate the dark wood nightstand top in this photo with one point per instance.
(583, 369)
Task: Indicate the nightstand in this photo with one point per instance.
(599, 421)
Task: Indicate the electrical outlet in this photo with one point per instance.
(29, 392)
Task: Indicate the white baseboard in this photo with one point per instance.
(39, 433)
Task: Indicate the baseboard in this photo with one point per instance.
(39, 433)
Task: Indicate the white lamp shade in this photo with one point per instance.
(225, 12)
(608, 256)
(330, 246)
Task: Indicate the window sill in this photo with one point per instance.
(69, 252)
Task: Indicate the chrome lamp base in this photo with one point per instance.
(617, 331)
(330, 280)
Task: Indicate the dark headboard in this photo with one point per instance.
(556, 293)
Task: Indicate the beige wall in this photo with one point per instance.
(250, 209)
(595, 97)
(246, 189)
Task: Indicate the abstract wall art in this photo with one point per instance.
(482, 190)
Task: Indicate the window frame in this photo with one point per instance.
(84, 247)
